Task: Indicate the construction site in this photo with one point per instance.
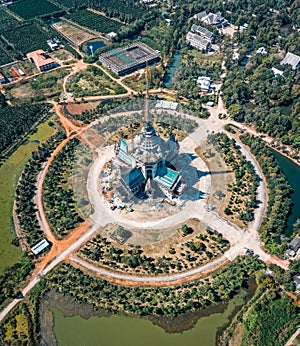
(133, 57)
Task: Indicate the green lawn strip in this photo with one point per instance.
(9, 174)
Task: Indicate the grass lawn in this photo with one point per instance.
(9, 174)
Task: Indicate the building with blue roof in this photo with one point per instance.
(147, 158)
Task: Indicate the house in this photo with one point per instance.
(210, 18)
(53, 44)
(295, 244)
(197, 29)
(291, 59)
(262, 51)
(200, 15)
(204, 83)
(42, 60)
(2, 78)
(277, 72)
(111, 35)
(296, 280)
(198, 41)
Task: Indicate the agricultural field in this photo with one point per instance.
(95, 21)
(93, 82)
(27, 38)
(125, 10)
(7, 21)
(69, 3)
(4, 57)
(45, 86)
(29, 9)
(9, 174)
(75, 35)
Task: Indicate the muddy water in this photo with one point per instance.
(76, 324)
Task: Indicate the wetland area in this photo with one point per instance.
(66, 322)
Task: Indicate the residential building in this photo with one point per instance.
(199, 16)
(295, 244)
(197, 29)
(291, 59)
(277, 72)
(262, 51)
(111, 35)
(296, 280)
(198, 41)
(2, 78)
(42, 60)
(204, 83)
(53, 44)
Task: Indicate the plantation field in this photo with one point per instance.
(29, 9)
(69, 3)
(72, 33)
(125, 10)
(4, 57)
(95, 21)
(9, 174)
(27, 38)
(7, 21)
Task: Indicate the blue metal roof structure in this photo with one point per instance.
(168, 179)
(134, 178)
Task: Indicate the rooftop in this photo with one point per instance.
(40, 58)
(291, 59)
(166, 105)
(40, 246)
(129, 56)
(202, 31)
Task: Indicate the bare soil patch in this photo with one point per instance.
(78, 108)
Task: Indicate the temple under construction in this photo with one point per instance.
(146, 161)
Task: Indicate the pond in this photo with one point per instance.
(292, 172)
(91, 47)
(173, 66)
(118, 330)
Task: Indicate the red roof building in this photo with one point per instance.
(42, 60)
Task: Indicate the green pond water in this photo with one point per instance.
(128, 331)
(292, 173)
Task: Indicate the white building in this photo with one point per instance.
(198, 41)
(277, 72)
(210, 18)
(197, 29)
(291, 59)
(262, 51)
(204, 83)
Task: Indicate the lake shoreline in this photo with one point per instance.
(171, 325)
